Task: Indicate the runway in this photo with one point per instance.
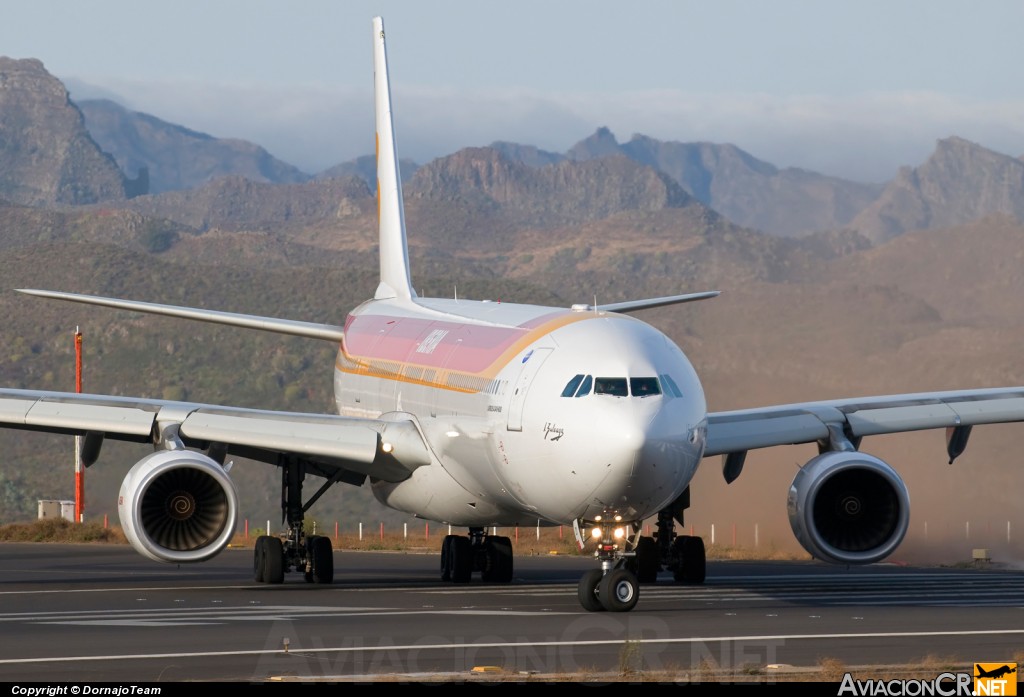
(103, 613)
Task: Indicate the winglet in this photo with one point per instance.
(394, 253)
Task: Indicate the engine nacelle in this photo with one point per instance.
(178, 506)
(848, 508)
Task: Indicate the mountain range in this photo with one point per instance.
(830, 287)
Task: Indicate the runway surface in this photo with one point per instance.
(103, 613)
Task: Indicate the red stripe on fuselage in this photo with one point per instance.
(472, 349)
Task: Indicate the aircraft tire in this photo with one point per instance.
(273, 560)
(694, 561)
(461, 555)
(446, 557)
(322, 555)
(259, 552)
(619, 590)
(587, 590)
(648, 560)
(499, 560)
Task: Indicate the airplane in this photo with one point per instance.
(994, 673)
(481, 414)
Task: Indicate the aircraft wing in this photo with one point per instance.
(851, 419)
(343, 448)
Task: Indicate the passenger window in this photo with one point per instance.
(613, 386)
(570, 388)
(585, 387)
(644, 387)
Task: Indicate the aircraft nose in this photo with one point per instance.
(649, 455)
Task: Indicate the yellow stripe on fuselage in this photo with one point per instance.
(443, 378)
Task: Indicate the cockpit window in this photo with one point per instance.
(578, 386)
(671, 388)
(570, 388)
(613, 386)
(644, 387)
(585, 387)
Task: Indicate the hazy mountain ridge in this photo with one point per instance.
(748, 191)
(961, 181)
(545, 197)
(176, 157)
(48, 155)
(238, 203)
(365, 168)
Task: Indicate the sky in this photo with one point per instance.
(853, 89)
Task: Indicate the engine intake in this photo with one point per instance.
(848, 508)
(178, 506)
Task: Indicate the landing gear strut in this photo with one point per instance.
(683, 555)
(629, 559)
(491, 555)
(295, 551)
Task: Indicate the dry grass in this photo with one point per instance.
(60, 530)
(831, 669)
(720, 552)
(828, 671)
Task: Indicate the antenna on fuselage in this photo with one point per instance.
(394, 252)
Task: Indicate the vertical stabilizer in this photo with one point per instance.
(394, 254)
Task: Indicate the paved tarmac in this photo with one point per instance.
(103, 613)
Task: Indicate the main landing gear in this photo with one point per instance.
(295, 551)
(629, 559)
(491, 555)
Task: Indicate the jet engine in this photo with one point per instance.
(178, 506)
(848, 508)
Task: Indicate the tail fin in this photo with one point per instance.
(394, 254)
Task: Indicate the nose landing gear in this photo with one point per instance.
(615, 586)
(629, 559)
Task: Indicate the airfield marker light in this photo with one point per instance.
(285, 643)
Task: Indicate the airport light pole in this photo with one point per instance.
(79, 470)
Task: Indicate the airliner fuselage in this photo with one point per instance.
(531, 412)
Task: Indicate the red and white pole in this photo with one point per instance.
(79, 470)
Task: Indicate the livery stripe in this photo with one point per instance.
(466, 357)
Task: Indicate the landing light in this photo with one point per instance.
(619, 533)
(386, 447)
(596, 533)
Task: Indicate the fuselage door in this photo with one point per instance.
(531, 364)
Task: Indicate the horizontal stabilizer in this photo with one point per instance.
(310, 330)
(634, 305)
